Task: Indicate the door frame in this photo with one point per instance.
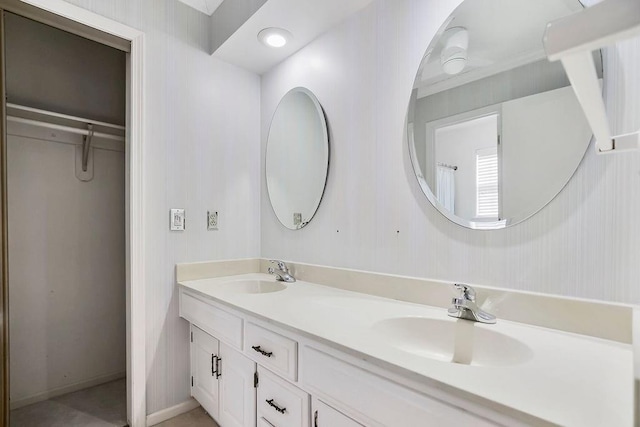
(135, 283)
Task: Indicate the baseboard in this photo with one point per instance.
(174, 411)
(50, 394)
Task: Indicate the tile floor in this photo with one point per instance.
(104, 405)
(194, 418)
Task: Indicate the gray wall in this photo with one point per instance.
(53, 70)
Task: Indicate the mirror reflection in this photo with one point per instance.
(495, 130)
(297, 158)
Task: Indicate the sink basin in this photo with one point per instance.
(253, 287)
(456, 341)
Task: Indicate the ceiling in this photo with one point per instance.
(503, 34)
(204, 6)
(305, 19)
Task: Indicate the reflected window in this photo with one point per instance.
(487, 200)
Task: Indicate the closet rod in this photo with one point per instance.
(63, 116)
(64, 128)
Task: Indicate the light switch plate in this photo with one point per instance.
(177, 220)
(212, 220)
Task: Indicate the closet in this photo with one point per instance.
(66, 98)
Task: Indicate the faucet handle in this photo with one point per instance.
(281, 265)
(466, 292)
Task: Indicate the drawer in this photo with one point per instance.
(274, 351)
(219, 323)
(374, 400)
(280, 403)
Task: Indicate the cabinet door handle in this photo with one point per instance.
(315, 419)
(261, 351)
(276, 407)
(213, 364)
(218, 367)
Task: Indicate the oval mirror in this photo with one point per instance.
(494, 129)
(297, 158)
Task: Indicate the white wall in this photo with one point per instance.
(66, 264)
(202, 135)
(585, 243)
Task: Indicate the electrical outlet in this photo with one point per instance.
(212, 220)
(177, 221)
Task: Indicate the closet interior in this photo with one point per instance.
(66, 109)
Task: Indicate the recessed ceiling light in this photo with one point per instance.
(274, 37)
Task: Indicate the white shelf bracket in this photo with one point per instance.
(572, 40)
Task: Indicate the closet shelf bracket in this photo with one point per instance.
(86, 146)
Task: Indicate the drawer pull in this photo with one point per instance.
(276, 407)
(261, 351)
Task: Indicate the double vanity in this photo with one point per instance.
(304, 354)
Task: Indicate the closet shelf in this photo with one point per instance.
(572, 39)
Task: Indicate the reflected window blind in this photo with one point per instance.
(487, 183)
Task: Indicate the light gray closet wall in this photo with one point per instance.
(53, 70)
(202, 136)
(585, 243)
(66, 265)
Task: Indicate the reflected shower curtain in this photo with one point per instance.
(446, 188)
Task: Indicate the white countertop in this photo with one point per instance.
(566, 379)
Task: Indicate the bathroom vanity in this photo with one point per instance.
(304, 354)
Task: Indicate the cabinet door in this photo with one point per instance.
(204, 381)
(325, 416)
(237, 391)
(264, 423)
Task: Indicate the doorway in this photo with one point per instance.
(84, 165)
(66, 226)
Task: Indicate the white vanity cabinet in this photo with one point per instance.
(374, 400)
(222, 380)
(237, 389)
(252, 373)
(204, 376)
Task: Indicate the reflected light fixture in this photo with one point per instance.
(453, 57)
(274, 37)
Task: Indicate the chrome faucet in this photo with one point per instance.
(282, 272)
(465, 307)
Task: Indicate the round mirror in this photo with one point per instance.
(297, 159)
(495, 130)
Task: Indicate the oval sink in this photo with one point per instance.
(254, 286)
(456, 341)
